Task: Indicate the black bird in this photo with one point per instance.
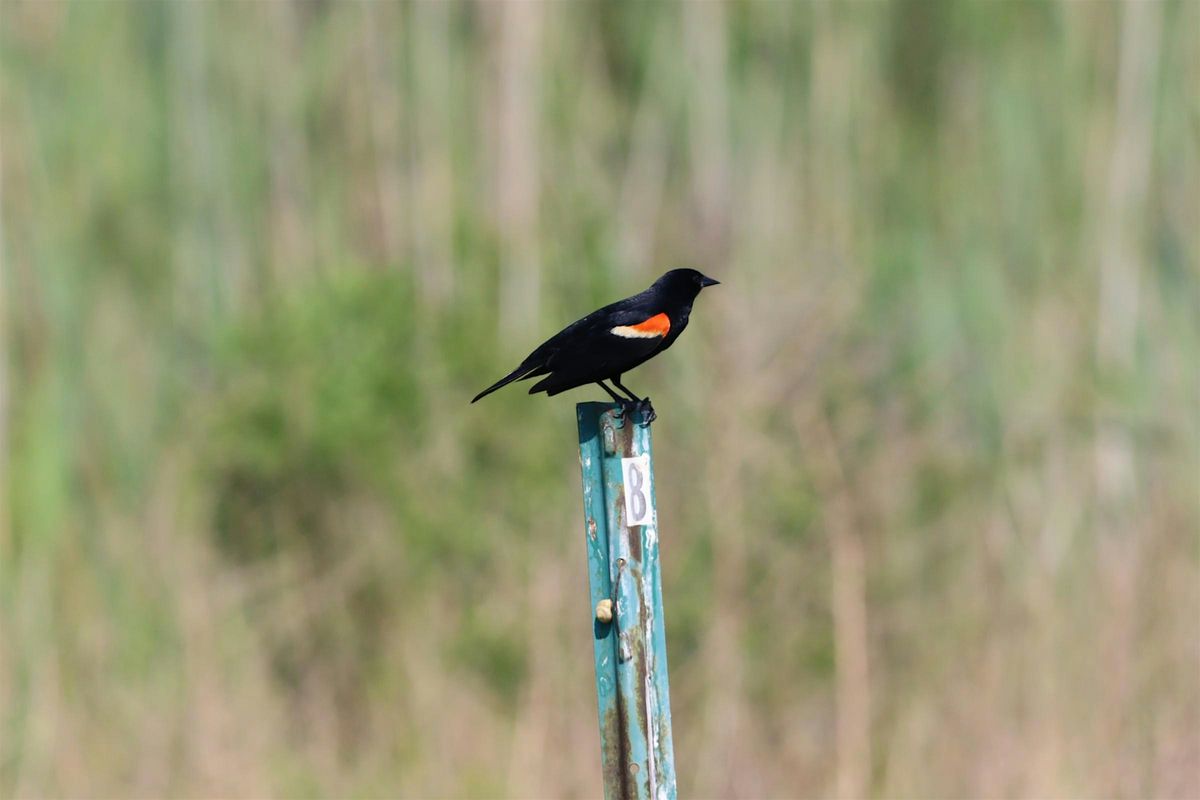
(609, 342)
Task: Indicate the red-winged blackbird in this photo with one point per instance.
(609, 342)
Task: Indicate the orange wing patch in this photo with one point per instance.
(658, 325)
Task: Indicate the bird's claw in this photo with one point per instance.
(646, 408)
(642, 409)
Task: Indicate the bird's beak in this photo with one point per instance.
(707, 281)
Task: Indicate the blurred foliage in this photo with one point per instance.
(927, 458)
(315, 400)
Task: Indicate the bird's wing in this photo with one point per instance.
(607, 346)
(622, 333)
(609, 330)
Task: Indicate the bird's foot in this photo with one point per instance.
(641, 411)
(645, 409)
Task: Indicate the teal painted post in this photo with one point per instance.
(630, 642)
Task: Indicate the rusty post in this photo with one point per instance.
(626, 604)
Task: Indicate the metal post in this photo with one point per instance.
(626, 603)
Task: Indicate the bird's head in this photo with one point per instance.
(685, 282)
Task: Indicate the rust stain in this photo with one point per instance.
(635, 542)
(616, 779)
(642, 666)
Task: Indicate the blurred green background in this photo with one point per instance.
(928, 460)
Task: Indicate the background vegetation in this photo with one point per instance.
(928, 459)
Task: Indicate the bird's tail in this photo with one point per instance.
(526, 370)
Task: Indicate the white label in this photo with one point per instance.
(636, 474)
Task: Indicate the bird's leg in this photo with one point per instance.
(632, 404)
(642, 404)
(617, 383)
(624, 402)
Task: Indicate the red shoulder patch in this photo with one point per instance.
(658, 325)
